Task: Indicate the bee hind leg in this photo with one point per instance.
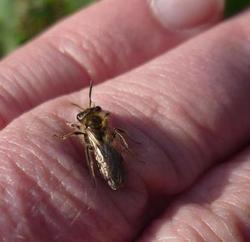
(118, 133)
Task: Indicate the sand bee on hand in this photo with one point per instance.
(100, 142)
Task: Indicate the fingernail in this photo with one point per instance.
(180, 15)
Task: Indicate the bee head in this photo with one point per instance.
(90, 117)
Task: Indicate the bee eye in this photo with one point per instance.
(94, 122)
(98, 109)
(80, 116)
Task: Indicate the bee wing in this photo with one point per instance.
(113, 166)
(90, 161)
(109, 161)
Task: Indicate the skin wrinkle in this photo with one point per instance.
(231, 229)
(72, 59)
(184, 238)
(195, 233)
(13, 78)
(62, 186)
(199, 218)
(125, 36)
(5, 215)
(52, 117)
(26, 73)
(35, 155)
(234, 209)
(54, 174)
(127, 219)
(49, 230)
(11, 97)
(127, 40)
(157, 113)
(196, 123)
(50, 173)
(206, 132)
(67, 172)
(226, 226)
(64, 50)
(237, 231)
(230, 226)
(150, 137)
(180, 172)
(10, 213)
(65, 63)
(241, 222)
(76, 217)
(240, 176)
(28, 89)
(36, 88)
(197, 212)
(212, 135)
(6, 63)
(99, 49)
(68, 210)
(127, 107)
(97, 65)
(208, 227)
(221, 222)
(122, 106)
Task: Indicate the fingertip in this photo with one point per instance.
(185, 15)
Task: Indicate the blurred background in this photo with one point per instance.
(20, 20)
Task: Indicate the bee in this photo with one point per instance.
(103, 144)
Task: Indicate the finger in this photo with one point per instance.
(216, 209)
(97, 43)
(189, 108)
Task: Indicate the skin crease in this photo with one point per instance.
(91, 49)
(188, 109)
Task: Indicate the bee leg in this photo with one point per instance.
(121, 131)
(117, 132)
(65, 136)
(90, 162)
(124, 144)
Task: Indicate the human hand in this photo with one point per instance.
(189, 109)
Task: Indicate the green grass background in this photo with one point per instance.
(20, 20)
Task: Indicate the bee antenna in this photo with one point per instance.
(90, 93)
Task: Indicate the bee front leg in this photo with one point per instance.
(65, 136)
